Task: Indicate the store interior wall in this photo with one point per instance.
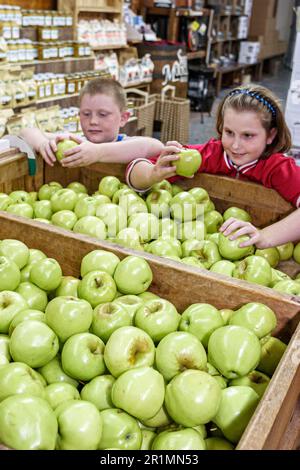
(284, 18)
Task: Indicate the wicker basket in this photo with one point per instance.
(145, 107)
(174, 115)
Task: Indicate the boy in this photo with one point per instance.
(102, 113)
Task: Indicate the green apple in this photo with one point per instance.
(176, 189)
(10, 275)
(218, 443)
(160, 420)
(128, 347)
(63, 146)
(226, 314)
(272, 350)
(15, 251)
(132, 204)
(119, 193)
(34, 343)
(270, 254)
(256, 380)
(192, 261)
(68, 316)
(98, 392)
(224, 267)
(92, 226)
(11, 303)
(139, 391)
(24, 315)
(296, 252)
(237, 213)
(234, 351)
(130, 302)
(35, 297)
(68, 287)
(158, 318)
(42, 209)
(109, 185)
(82, 356)
(5, 356)
(213, 237)
(47, 190)
(63, 199)
(183, 439)
(177, 352)
(213, 221)
(146, 224)
(120, 431)
(107, 318)
(79, 426)
(207, 252)
(58, 393)
(164, 184)
(285, 251)
(43, 221)
(77, 187)
(164, 247)
(97, 287)
(189, 162)
(231, 250)
(46, 274)
(133, 275)
(237, 405)
(53, 372)
(184, 207)
(158, 203)
(168, 228)
(99, 260)
(201, 320)
(65, 219)
(114, 218)
(216, 375)
(17, 378)
(148, 296)
(35, 255)
(254, 269)
(194, 229)
(5, 201)
(289, 287)
(201, 197)
(147, 439)
(27, 423)
(130, 238)
(86, 206)
(255, 316)
(278, 276)
(19, 196)
(192, 398)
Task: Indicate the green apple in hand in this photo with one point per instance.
(79, 426)
(108, 317)
(192, 398)
(68, 287)
(177, 352)
(68, 316)
(53, 372)
(189, 162)
(97, 287)
(34, 343)
(255, 316)
(133, 275)
(182, 439)
(201, 320)
(46, 274)
(139, 391)
(98, 392)
(63, 146)
(11, 303)
(272, 350)
(230, 249)
(234, 351)
(120, 431)
(35, 297)
(15, 250)
(158, 318)
(237, 405)
(27, 423)
(99, 260)
(82, 356)
(237, 213)
(128, 347)
(57, 393)
(10, 275)
(16, 378)
(256, 380)
(5, 356)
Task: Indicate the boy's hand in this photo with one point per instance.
(83, 155)
(240, 227)
(48, 147)
(163, 169)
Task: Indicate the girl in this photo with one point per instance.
(284, 231)
(253, 137)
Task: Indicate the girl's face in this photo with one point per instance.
(101, 118)
(244, 139)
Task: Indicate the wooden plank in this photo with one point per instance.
(291, 437)
(14, 173)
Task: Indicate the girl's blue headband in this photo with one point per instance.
(257, 96)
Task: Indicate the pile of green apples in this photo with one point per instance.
(100, 362)
(166, 221)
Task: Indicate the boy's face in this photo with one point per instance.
(244, 139)
(101, 118)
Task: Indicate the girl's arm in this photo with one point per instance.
(112, 152)
(284, 231)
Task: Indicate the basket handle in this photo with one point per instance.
(167, 88)
(139, 92)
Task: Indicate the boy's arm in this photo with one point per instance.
(112, 152)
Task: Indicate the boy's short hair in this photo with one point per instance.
(105, 86)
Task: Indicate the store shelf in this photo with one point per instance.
(53, 61)
(193, 13)
(196, 55)
(99, 10)
(110, 46)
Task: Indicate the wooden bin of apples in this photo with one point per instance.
(210, 388)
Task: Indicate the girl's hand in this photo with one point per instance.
(83, 155)
(240, 227)
(163, 169)
(174, 143)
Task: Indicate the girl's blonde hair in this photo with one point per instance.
(105, 86)
(262, 101)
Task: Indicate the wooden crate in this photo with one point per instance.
(275, 424)
(14, 172)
